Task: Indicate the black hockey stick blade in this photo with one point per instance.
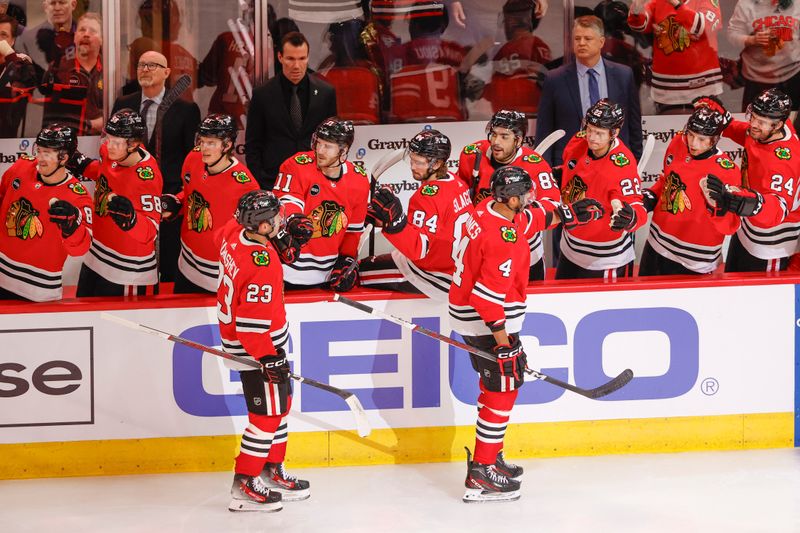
(598, 392)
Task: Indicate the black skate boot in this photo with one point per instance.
(277, 479)
(509, 470)
(250, 494)
(485, 484)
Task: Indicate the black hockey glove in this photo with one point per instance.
(300, 227)
(170, 207)
(122, 212)
(77, 164)
(580, 212)
(344, 275)
(624, 219)
(67, 216)
(288, 247)
(743, 202)
(386, 208)
(649, 199)
(511, 358)
(275, 368)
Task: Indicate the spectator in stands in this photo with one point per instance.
(50, 40)
(17, 81)
(768, 33)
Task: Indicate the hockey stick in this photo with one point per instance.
(476, 172)
(549, 141)
(362, 424)
(598, 392)
(647, 151)
(382, 165)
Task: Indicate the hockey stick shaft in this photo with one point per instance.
(476, 175)
(549, 141)
(597, 392)
(647, 151)
(350, 398)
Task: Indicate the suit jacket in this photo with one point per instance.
(177, 138)
(270, 136)
(560, 107)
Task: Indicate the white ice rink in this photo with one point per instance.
(709, 492)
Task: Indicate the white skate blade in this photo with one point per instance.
(249, 505)
(288, 495)
(482, 496)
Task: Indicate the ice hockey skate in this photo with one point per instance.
(277, 479)
(485, 484)
(509, 470)
(250, 494)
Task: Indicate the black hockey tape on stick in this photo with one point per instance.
(598, 392)
(362, 424)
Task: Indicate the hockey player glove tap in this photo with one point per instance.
(743, 202)
(67, 216)
(511, 358)
(288, 247)
(300, 227)
(649, 199)
(344, 275)
(122, 212)
(386, 208)
(275, 368)
(170, 207)
(580, 212)
(624, 219)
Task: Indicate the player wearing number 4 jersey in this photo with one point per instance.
(252, 325)
(48, 216)
(127, 211)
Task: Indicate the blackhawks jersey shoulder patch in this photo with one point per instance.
(359, 169)
(261, 258)
(783, 152)
(241, 177)
(471, 149)
(725, 163)
(145, 173)
(532, 158)
(429, 190)
(303, 159)
(508, 234)
(78, 189)
(620, 159)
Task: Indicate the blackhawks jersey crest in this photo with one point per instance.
(575, 190)
(670, 36)
(725, 163)
(532, 158)
(303, 159)
(145, 173)
(620, 159)
(429, 190)
(101, 196)
(674, 198)
(241, 177)
(198, 213)
(328, 219)
(471, 149)
(783, 153)
(77, 188)
(22, 220)
(508, 234)
(261, 258)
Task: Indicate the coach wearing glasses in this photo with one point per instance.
(168, 144)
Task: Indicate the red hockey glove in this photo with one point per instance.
(511, 358)
(344, 275)
(386, 208)
(624, 219)
(300, 227)
(67, 216)
(580, 212)
(275, 368)
(122, 212)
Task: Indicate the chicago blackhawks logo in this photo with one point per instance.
(783, 153)
(671, 36)
(620, 159)
(508, 234)
(360, 170)
(303, 159)
(471, 149)
(198, 213)
(581, 134)
(674, 198)
(328, 219)
(77, 188)
(22, 220)
(241, 177)
(575, 190)
(101, 196)
(429, 190)
(261, 258)
(532, 158)
(145, 173)
(725, 163)
(28, 157)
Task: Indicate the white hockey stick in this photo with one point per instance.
(385, 163)
(647, 151)
(549, 141)
(362, 424)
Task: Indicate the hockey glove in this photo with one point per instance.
(170, 207)
(275, 368)
(299, 226)
(122, 212)
(77, 164)
(344, 275)
(715, 104)
(624, 219)
(511, 358)
(288, 247)
(743, 202)
(67, 216)
(649, 199)
(580, 212)
(386, 208)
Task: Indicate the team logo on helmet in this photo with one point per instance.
(303, 159)
(101, 196)
(198, 213)
(575, 190)
(328, 219)
(725, 163)
(532, 158)
(508, 234)
(145, 173)
(671, 36)
(77, 188)
(241, 177)
(429, 190)
(261, 258)
(783, 153)
(674, 198)
(620, 159)
(471, 149)
(22, 220)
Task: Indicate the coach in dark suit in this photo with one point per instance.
(284, 112)
(571, 89)
(171, 128)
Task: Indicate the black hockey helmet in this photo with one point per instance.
(512, 120)
(431, 144)
(218, 125)
(336, 131)
(59, 137)
(706, 121)
(510, 181)
(605, 114)
(255, 207)
(126, 123)
(520, 14)
(772, 103)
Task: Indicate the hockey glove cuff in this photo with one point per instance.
(344, 275)
(275, 368)
(511, 358)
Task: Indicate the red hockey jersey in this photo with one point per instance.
(682, 229)
(32, 250)
(208, 202)
(595, 246)
(773, 169)
(491, 274)
(125, 257)
(685, 59)
(337, 209)
(223, 68)
(250, 309)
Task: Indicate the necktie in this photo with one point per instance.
(145, 107)
(594, 90)
(295, 111)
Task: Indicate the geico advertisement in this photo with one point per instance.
(690, 350)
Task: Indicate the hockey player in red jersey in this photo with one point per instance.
(323, 186)
(252, 324)
(127, 211)
(769, 200)
(598, 165)
(688, 228)
(423, 260)
(487, 307)
(213, 181)
(48, 216)
(505, 134)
